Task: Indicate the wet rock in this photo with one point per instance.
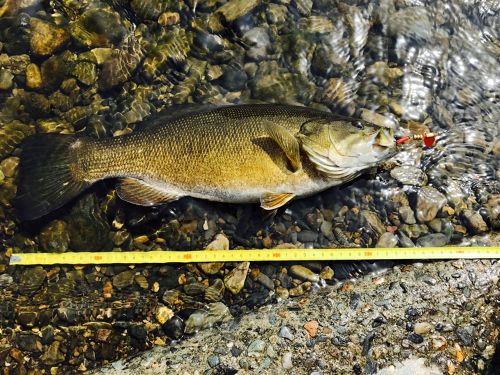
(429, 202)
(168, 18)
(88, 227)
(475, 221)
(258, 40)
(215, 292)
(373, 221)
(307, 236)
(303, 6)
(9, 166)
(327, 273)
(85, 72)
(234, 9)
(387, 240)
(27, 318)
(6, 78)
(493, 208)
(219, 243)
(11, 135)
(174, 327)
(304, 273)
(46, 38)
(47, 334)
(316, 24)
(163, 314)
(415, 338)
(409, 175)
(217, 313)
(407, 215)
(31, 279)
(54, 238)
(98, 28)
(276, 14)
(53, 354)
(33, 77)
(124, 279)
(433, 240)
(233, 79)
(378, 119)
(28, 342)
(263, 279)
(235, 280)
(55, 69)
(194, 288)
(300, 289)
(5, 280)
(282, 293)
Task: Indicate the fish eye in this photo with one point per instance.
(358, 125)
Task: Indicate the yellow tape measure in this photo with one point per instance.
(257, 255)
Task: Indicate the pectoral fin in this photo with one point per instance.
(287, 142)
(139, 192)
(272, 201)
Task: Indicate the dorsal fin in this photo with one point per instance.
(287, 142)
(143, 194)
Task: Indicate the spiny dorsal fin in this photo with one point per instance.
(272, 201)
(287, 142)
(139, 192)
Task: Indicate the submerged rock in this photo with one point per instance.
(409, 175)
(6, 78)
(33, 77)
(387, 240)
(87, 225)
(304, 273)
(215, 292)
(54, 237)
(31, 280)
(46, 38)
(235, 280)
(429, 202)
(98, 28)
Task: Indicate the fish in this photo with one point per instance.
(249, 153)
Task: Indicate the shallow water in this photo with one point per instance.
(103, 67)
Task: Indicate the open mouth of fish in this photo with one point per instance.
(384, 139)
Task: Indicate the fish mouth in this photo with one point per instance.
(384, 140)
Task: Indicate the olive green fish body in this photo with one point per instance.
(229, 154)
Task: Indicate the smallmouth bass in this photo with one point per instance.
(245, 153)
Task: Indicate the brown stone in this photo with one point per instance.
(33, 76)
(46, 38)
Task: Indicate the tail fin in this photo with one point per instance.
(46, 181)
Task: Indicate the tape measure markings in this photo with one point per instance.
(267, 255)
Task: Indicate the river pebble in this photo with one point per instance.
(429, 202)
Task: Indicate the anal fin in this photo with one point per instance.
(272, 201)
(143, 194)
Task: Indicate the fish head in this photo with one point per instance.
(349, 144)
